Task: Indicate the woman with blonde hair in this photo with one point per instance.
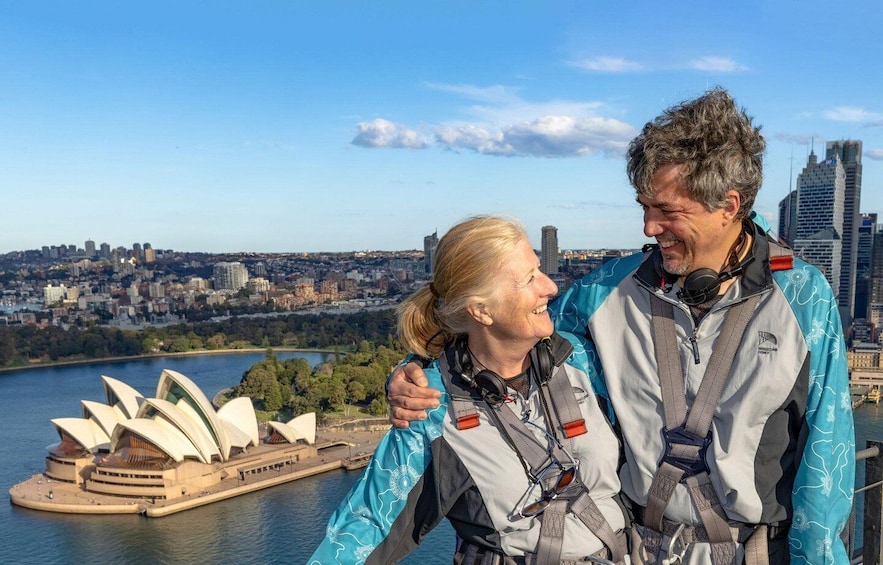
(519, 457)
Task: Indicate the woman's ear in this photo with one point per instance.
(480, 313)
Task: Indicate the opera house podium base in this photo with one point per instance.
(254, 471)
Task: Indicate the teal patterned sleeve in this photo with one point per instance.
(572, 310)
(823, 488)
(381, 496)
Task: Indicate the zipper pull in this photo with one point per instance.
(695, 347)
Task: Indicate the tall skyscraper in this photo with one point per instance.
(821, 189)
(849, 152)
(788, 218)
(430, 242)
(549, 250)
(90, 248)
(875, 302)
(864, 264)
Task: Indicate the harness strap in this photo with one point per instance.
(465, 412)
(757, 551)
(551, 533)
(687, 434)
(564, 411)
(589, 514)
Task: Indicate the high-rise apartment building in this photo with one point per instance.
(230, 275)
(864, 264)
(849, 152)
(549, 250)
(90, 248)
(430, 242)
(821, 189)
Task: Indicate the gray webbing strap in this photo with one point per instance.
(565, 413)
(698, 422)
(551, 533)
(668, 361)
(757, 551)
(590, 515)
(526, 443)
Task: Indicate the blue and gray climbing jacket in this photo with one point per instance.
(781, 448)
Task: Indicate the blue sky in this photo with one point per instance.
(336, 126)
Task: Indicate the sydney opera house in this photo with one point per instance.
(133, 453)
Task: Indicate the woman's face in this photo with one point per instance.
(518, 308)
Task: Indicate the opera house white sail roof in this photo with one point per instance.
(178, 423)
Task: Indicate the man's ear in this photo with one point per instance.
(732, 205)
(480, 313)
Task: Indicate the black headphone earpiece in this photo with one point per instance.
(543, 359)
(702, 285)
(490, 385)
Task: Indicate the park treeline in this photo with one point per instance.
(28, 344)
(346, 384)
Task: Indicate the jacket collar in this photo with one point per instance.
(757, 276)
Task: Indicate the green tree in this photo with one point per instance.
(272, 397)
(217, 341)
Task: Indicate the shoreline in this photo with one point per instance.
(146, 356)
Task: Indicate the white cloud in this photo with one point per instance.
(383, 133)
(549, 136)
(876, 154)
(503, 124)
(853, 114)
(474, 138)
(717, 65)
(564, 136)
(605, 64)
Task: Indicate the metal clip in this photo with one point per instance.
(672, 558)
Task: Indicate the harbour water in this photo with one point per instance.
(278, 525)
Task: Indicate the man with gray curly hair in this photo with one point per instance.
(723, 358)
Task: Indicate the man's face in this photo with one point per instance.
(689, 236)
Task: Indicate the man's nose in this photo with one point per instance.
(652, 227)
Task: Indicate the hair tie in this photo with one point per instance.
(433, 291)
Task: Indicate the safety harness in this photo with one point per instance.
(564, 419)
(687, 437)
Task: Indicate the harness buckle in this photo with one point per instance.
(672, 558)
(691, 466)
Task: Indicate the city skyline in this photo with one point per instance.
(332, 127)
